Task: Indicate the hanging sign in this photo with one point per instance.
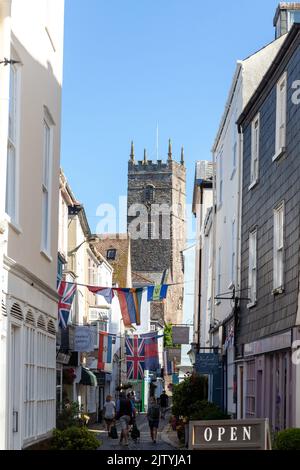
(84, 339)
(174, 354)
(248, 434)
(181, 335)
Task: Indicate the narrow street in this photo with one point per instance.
(144, 443)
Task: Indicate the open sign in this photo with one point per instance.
(249, 434)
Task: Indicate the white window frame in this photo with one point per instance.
(234, 144)
(13, 142)
(278, 253)
(47, 168)
(255, 135)
(220, 178)
(281, 116)
(219, 275)
(233, 253)
(252, 272)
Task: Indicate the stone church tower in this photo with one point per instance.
(157, 227)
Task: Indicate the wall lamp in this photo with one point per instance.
(6, 62)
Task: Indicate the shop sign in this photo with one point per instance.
(207, 363)
(174, 354)
(248, 434)
(181, 335)
(63, 358)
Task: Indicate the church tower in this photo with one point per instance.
(157, 227)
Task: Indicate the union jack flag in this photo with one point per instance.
(66, 292)
(135, 357)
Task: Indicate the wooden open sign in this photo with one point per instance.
(248, 434)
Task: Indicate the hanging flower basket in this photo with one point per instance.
(69, 376)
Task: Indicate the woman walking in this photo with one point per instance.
(109, 412)
(153, 418)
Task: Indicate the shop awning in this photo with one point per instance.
(88, 378)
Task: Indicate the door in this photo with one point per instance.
(260, 396)
(241, 393)
(15, 388)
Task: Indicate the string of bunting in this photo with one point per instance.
(130, 299)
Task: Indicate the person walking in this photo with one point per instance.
(153, 418)
(109, 411)
(124, 414)
(164, 403)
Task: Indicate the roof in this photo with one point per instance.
(146, 278)
(259, 61)
(291, 36)
(204, 170)
(285, 6)
(122, 264)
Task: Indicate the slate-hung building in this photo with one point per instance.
(269, 321)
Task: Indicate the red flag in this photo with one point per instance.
(124, 308)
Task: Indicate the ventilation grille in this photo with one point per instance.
(41, 323)
(3, 306)
(30, 318)
(16, 312)
(51, 328)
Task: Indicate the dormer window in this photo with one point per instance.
(111, 254)
(149, 193)
(286, 15)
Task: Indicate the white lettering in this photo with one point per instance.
(233, 435)
(296, 94)
(208, 434)
(221, 432)
(247, 432)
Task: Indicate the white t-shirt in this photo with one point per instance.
(109, 410)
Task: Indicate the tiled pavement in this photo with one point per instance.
(167, 439)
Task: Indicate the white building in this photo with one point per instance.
(31, 33)
(226, 152)
(202, 204)
(189, 254)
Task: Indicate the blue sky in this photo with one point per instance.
(130, 64)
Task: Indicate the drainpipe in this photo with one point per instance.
(5, 44)
(200, 274)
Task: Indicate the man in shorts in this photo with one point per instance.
(124, 414)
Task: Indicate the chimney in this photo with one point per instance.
(286, 15)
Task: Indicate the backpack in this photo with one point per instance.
(154, 412)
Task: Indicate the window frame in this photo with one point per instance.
(110, 258)
(252, 268)
(13, 141)
(46, 186)
(220, 177)
(255, 150)
(281, 117)
(278, 248)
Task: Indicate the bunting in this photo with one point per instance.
(151, 351)
(66, 292)
(158, 292)
(106, 292)
(105, 350)
(135, 357)
(130, 303)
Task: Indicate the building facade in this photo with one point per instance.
(226, 225)
(32, 36)
(268, 321)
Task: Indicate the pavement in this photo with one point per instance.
(166, 439)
